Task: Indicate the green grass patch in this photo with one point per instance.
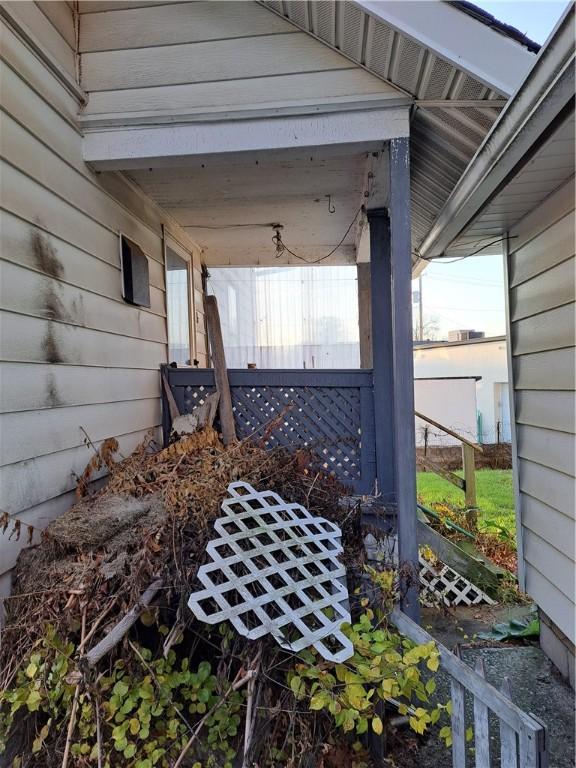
(494, 494)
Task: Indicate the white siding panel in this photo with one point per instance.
(177, 23)
(273, 92)
(546, 250)
(31, 69)
(552, 410)
(25, 244)
(545, 370)
(29, 339)
(62, 19)
(74, 353)
(39, 517)
(547, 447)
(41, 164)
(55, 44)
(555, 604)
(541, 296)
(551, 289)
(29, 483)
(560, 570)
(38, 433)
(555, 489)
(203, 62)
(33, 386)
(29, 108)
(30, 293)
(550, 525)
(547, 331)
(35, 204)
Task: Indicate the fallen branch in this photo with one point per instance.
(249, 722)
(112, 638)
(234, 687)
(74, 710)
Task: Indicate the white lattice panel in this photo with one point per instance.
(452, 588)
(275, 570)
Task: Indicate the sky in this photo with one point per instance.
(470, 293)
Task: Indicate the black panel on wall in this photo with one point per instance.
(135, 277)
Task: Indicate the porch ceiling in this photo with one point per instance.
(458, 63)
(228, 204)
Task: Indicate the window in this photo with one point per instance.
(178, 308)
(135, 280)
(288, 317)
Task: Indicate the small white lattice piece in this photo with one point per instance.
(452, 588)
(275, 570)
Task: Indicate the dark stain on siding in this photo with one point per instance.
(52, 305)
(45, 255)
(52, 353)
(52, 396)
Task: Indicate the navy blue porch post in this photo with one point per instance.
(391, 283)
(380, 282)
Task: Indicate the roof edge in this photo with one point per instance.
(525, 121)
(461, 343)
(499, 26)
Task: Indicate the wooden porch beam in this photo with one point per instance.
(364, 314)
(168, 145)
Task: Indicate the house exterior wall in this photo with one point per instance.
(74, 354)
(541, 310)
(485, 358)
(206, 57)
(451, 402)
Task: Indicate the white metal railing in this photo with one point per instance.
(523, 738)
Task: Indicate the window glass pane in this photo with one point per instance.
(178, 302)
(288, 317)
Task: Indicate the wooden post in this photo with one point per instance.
(468, 464)
(403, 368)
(364, 314)
(481, 725)
(220, 370)
(380, 282)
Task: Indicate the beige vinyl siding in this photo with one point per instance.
(206, 57)
(52, 25)
(74, 355)
(541, 272)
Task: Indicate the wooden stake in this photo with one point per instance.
(220, 370)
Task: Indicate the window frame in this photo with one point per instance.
(171, 244)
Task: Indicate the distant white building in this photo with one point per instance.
(483, 359)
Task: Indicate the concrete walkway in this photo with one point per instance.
(535, 684)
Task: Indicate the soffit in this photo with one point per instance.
(453, 110)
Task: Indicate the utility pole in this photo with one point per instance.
(420, 313)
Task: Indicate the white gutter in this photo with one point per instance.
(523, 125)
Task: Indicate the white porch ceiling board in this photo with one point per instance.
(255, 190)
(174, 145)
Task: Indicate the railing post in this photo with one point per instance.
(468, 464)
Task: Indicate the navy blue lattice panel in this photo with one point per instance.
(323, 420)
(329, 413)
